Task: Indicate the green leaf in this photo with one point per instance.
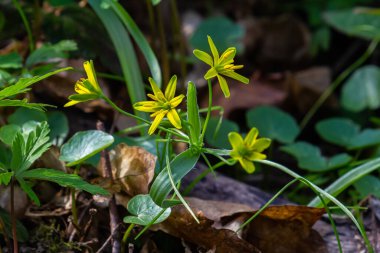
(273, 123)
(49, 52)
(144, 210)
(125, 53)
(339, 131)
(360, 22)
(362, 89)
(367, 138)
(23, 84)
(83, 145)
(224, 32)
(368, 185)
(217, 132)
(140, 40)
(21, 231)
(5, 178)
(193, 116)
(23, 115)
(309, 157)
(28, 147)
(155, 2)
(8, 133)
(10, 61)
(59, 127)
(347, 180)
(24, 103)
(180, 165)
(63, 179)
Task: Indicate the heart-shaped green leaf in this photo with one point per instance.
(362, 90)
(273, 123)
(59, 127)
(144, 210)
(217, 132)
(361, 22)
(309, 157)
(83, 145)
(339, 131)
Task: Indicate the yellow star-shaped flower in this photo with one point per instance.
(248, 150)
(162, 104)
(86, 89)
(221, 66)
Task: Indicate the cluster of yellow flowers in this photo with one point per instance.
(164, 104)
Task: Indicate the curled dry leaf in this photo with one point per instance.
(277, 229)
(132, 169)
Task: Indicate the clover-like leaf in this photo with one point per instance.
(83, 145)
(273, 123)
(144, 210)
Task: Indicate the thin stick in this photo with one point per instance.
(114, 216)
(13, 217)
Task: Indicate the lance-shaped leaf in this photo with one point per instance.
(193, 114)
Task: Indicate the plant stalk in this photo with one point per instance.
(208, 109)
(13, 217)
(126, 236)
(74, 210)
(327, 93)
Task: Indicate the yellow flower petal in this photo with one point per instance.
(224, 86)
(211, 73)
(156, 122)
(214, 51)
(90, 71)
(80, 88)
(203, 56)
(146, 106)
(152, 97)
(236, 76)
(247, 165)
(261, 144)
(157, 92)
(170, 89)
(176, 101)
(251, 136)
(235, 140)
(174, 118)
(255, 156)
(227, 56)
(71, 103)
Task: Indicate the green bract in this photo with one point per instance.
(221, 66)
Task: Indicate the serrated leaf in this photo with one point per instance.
(362, 90)
(28, 147)
(360, 22)
(193, 116)
(8, 133)
(144, 210)
(83, 145)
(21, 231)
(23, 84)
(217, 132)
(309, 157)
(339, 131)
(5, 178)
(28, 190)
(24, 103)
(180, 165)
(273, 123)
(63, 179)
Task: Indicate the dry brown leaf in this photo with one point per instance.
(132, 170)
(276, 229)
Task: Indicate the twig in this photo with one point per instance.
(105, 163)
(106, 242)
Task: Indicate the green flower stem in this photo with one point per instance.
(208, 109)
(151, 223)
(325, 195)
(176, 133)
(13, 216)
(26, 24)
(74, 210)
(326, 94)
(204, 173)
(266, 204)
(126, 236)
